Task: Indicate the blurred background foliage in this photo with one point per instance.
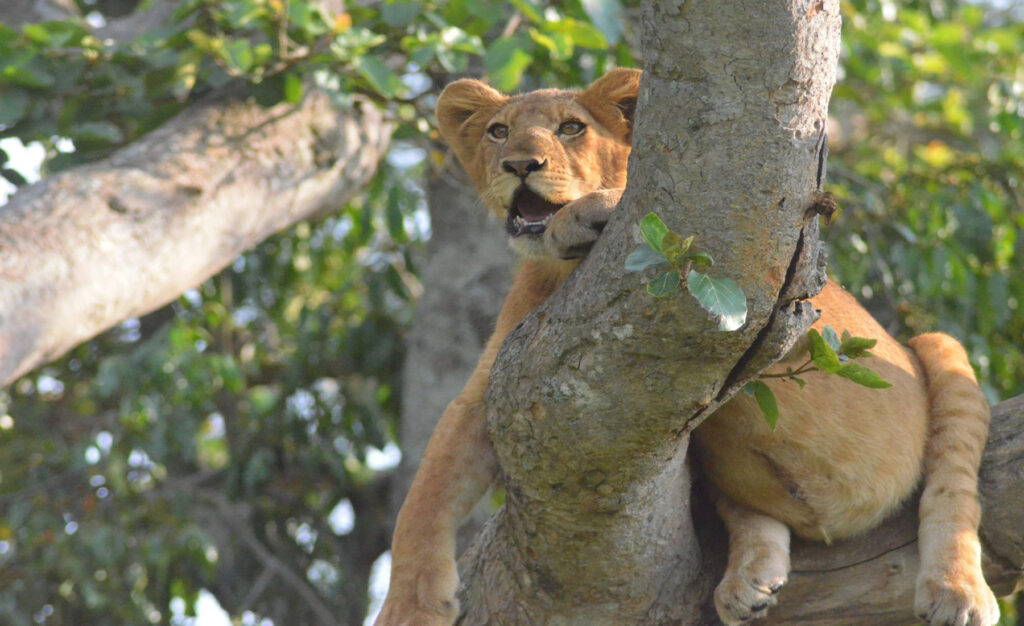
(239, 441)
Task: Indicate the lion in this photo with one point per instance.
(552, 164)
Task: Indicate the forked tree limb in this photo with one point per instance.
(85, 249)
(592, 398)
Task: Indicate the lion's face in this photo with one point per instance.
(530, 155)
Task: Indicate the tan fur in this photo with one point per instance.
(841, 459)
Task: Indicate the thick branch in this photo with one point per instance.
(85, 249)
(592, 397)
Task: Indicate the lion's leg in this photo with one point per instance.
(758, 563)
(574, 229)
(457, 468)
(950, 586)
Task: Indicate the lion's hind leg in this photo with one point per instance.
(950, 586)
(758, 563)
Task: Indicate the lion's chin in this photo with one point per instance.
(529, 213)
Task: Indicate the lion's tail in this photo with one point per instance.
(957, 431)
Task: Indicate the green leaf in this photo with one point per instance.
(381, 78)
(830, 337)
(582, 34)
(399, 14)
(721, 297)
(238, 55)
(701, 259)
(856, 347)
(103, 131)
(506, 61)
(862, 376)
(607, 17)
(292, 88)
(673, 246)
(642, 258)
(823, 356)
(664, 285)
(653, 231)
(765, 400)
(529, 10)
(13, 105)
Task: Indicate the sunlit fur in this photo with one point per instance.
(842, 458)
(574, 165)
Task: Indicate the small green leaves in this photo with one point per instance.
(653, 231)
(642, 258)
(664, 285)
(765, 400)
(824, 357)
(856, 347)
(862, 376)
(828, 354)
(674, 247)
(721, 297)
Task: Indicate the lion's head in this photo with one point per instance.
(531, 154)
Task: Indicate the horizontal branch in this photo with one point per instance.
(85, 249)
(873, 576)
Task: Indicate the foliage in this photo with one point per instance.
(150, 462)
(929, 167)
(721, 297)
(59, 80)
(239, 430)
(827, 353)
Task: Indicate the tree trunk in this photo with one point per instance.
(83, 250)
(593, 397)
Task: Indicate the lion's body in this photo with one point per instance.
(842, 457)
(553, 163)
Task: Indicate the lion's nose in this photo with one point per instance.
(522, 169)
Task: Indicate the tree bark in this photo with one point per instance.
(593, 397)
(85, 249)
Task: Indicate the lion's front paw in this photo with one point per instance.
(746, 592)
(572, 231)
(955, 598)
(427, 599)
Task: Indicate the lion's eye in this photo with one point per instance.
(571, 127)
(498, 131)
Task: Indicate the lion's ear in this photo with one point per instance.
(612, 100)
(463, 110)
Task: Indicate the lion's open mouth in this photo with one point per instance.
(529, 213)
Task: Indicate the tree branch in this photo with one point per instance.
(85, 249)
(593, 396)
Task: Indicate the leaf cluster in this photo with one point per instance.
(721, 297)
(827, 353)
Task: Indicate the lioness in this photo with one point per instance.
(553, 164)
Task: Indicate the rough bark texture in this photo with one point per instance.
(468, 270)
(594, 395)
(85, 249)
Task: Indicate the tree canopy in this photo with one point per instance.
(240, 440)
